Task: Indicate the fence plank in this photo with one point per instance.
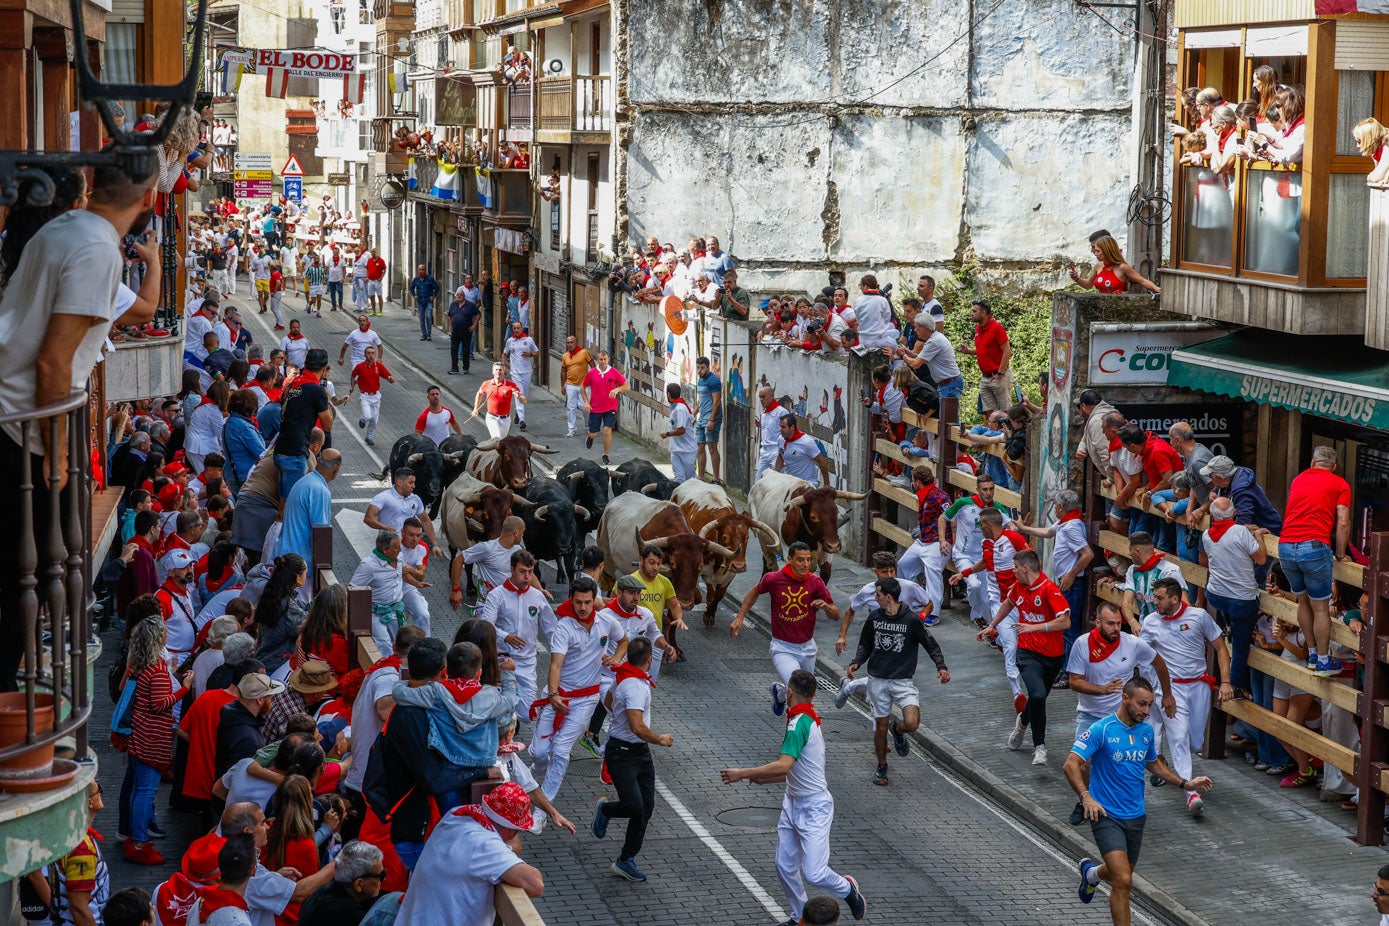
(887, 448)
(891, 531)
(894, 493)
(514, 908)
(1338, 693)
(1294, 734)
(966, 481)
(996, 450)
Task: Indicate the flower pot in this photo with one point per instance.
(13, 728)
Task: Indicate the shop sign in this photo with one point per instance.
(1218, 426)
(1139, 355)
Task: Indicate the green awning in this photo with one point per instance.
(1331, 377)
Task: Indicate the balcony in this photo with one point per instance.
(386, 157)
(518, 113)
(571, 106)
(509, 200)
(42, 798)
(393, 15)
(144, 369)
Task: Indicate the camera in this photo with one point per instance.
(128, 247)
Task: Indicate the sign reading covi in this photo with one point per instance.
(1139, 356)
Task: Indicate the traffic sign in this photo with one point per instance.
(292, 167)
(253, 160)
(294, 189)
(252, 175)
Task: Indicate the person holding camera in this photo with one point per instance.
(734, 301)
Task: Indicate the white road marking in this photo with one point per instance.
(769, 903)
(362, 538)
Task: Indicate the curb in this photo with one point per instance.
(1014, 801)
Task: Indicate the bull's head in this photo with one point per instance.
(682, 559)
(731, 531)
(814, 517)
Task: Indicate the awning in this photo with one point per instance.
(1331, 377)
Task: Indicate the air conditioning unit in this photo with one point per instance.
(554, 66)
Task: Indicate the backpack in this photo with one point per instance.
(121, 716)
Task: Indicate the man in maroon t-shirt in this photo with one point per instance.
(797, 595)
(994, 353)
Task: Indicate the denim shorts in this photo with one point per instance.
(598, 420)
(1308, 564)
(708, 433)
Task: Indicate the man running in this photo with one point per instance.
(658, 596)
(999, 549)
(1043, 616)
(1180, 632)
(496, 395)
(797, 596)
(519, 610)
(492, 558)
(601, 387)
(414, 573)
(574, 366)
(887, 647)
(437, 420)
(913, 596)
(768, 435)
(925, 558)
(628, 757)
(521, 350)
(1105, 768)
(626, 608)
(358, 340)
(684, 449)
(963, 516)
(366, 377)
(807, 809)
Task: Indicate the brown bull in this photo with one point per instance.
(712, 516)
(504, 462)
(633, 520)
(799, 512)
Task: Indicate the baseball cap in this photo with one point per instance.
(630, 582)
(1219, 466)
(258, 685)
(178, 559)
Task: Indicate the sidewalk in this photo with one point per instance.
(1260, 853)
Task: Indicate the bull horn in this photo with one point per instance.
(582, 512)
(414, 458)
(850, 496)
(475, 525)
(662, 542)
(541, 448)
(650, 490)
(721, 550)
(540, 512)
(572, 476)
(708, 529)
(520, 500)
(615, 473)
(455, 456)
(765, 532)
(487, 445)
(796, 502)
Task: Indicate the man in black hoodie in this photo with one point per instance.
(888, 646)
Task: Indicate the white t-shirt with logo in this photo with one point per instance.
(1131, 653)
(395, 508)
(1181, 640)
(798, 458)
(583, 649)
(520, 614)
(516, 350)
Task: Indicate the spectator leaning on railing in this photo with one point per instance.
(1239, 485)
(1195, 455)
(1094, 443)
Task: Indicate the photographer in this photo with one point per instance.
(734, 301)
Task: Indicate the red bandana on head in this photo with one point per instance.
(1100, 648)
(806, 708)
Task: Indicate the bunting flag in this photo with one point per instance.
(411, 181)
(231, 76)
(484, 187)
(276, 82)
(1334, 7)
(354, 87)
(445, 181)
(398, 83)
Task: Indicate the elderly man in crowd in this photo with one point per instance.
(1195, 455)
(1239, 485)
(356, 883)
(1231, 552)
(1094, 442)
(380, 570)
(1318, 511)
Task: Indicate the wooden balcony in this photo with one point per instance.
(386, 157)
(575, 110)
(510, 201)
(519, 121)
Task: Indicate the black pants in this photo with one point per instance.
(1038, 672)
(461, 348)
(634, 776)
(595, 723)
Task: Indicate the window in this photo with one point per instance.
(1347, 227)
(120, 50)
(1355, 99)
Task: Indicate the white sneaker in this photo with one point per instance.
(539, 818)
(571, 433)
(1015, 738)
(1039, 756)
(1194, 805)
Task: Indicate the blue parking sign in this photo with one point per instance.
(294, 188)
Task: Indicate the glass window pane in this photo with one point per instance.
(1355, 100)
(1208, 236)
(1347, 227)
(1273, 221)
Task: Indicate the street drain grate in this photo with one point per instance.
(825, 684)
(752, 818)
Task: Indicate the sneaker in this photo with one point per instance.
(1278, 771)
(1194, 805)
(778, 699)
(1156, 781)
(1062, 683)
(600, 821)
(590, 743)
(1260, 766)
(588, 442)
(1015, 738)
(605, 459)
(279, 327)
(522, 424)
(1039, 756)
(541, 818)
(858, 906)
(571, 433)
(361, 422)
(1019, 702)
(899, 740)
(1298, 780)
(1077, 816)
(143, 854)
(627, 868)
(881, 777)
(841, 697)
(370, 442)
(155, 831)
(1327, 667)
(453, 372)
(1087, 890)
(122, 838)
(928, 619)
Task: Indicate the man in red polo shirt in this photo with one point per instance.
(367, 376)
(376, 280)
(1160, 460)
(496, 395)
(994, 354)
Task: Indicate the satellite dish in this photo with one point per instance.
(554, 66)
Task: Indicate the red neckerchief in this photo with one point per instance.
(295, 337)
(1220, 142)
(1151, 562)
(462, 689)
(1100, 648)
(227, 575)
(796, 435)
(1180, 612)
(306, 377)
(1218, 529)
(140, 541)
(215, 898)
(978, 502)
(366, 329)
(806, 708)
(1295, 123)
(791, 574)
(1071, 516)
(872, 292)
(675, 402)
(475, 811)
(511, 588)
(385, 662)
(626, 670)
(207, 400)
(172, 588)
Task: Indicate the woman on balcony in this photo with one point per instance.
(151, 743)
(1111, 273)
(1371, 137)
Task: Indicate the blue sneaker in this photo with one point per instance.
(778, 698)
(600, 821)
(155, 831)
(1326, 667)
(627, 868)
(858, 906)
(1087, 890)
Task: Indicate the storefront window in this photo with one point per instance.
(1273, 221)
(1210, 218)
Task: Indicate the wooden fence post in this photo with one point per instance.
(945, 446)
(321, 551)
(1374, 739)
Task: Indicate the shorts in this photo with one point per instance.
(1282, 691)
(1308, 565)
(315, 289)
(373, 287)
(262, 286)
(1119, 514)
(708, 433)
(1115, 835)
(598, 420)
(883, 693)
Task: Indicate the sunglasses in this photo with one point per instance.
(375, 875)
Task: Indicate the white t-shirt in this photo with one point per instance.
(913, 596)
(436, 424)
(493, 562)
(513, 769)
(260, 269)
(456, 878)
(682, 417)
(70, 267)
(583, 649)
(633, 694)
(395, 508)
(770, 428)
(335, 270)
(874, 314)
(935, 310)
(261, 397)
(798, 458)
(520, 614)
(1127, 463)
(194, 327)
(939, 355)
(516, 350)
(1131, 653)
(969, 539)
(643, 624)
(359, 266)
(366, 724)
(415, 556)
(1181, 640)
(242, 786)
(296, 349)
(1069, 541)
(267, 895)
(1231, 569)
(358, 342)
(225, 339)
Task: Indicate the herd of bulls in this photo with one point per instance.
(702, 535)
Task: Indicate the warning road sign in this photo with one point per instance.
(292, 168)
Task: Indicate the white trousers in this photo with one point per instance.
(1008, 639)
(765, 461)
(923, 563)
(522, 380)
(359, 293)
(803, 850)
(550, 747)
(525, 685)
(417, 608)
(1187, 731)
(573, 402)
(275, 298)
(683, 465)
(383, 631)
(981, 589)
(1338, 725)
(371, 411)
(788, 657)
(498, 426)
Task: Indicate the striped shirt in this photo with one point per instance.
(152, 718)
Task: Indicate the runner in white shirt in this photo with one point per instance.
(260, 276)
(625, 607)
(768, 429)
(800, 455)
(437, 420)
(684, 446)
(359, 281)
(1180, 634)
(963, 516)
(380, 570)
(359, 340)
(414, 561)
(492, 559)
(295, 345)
(519, 611)
(389, 508)
(520, 348)
(577, 656)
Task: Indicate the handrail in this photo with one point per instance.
(75, 399)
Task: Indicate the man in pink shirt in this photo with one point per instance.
(601, 387)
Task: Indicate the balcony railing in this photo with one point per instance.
(51, 550)
(1243, 221)
(518, 106)
(556, 104)
(593, 104)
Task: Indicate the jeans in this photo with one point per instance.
(1270, 750)
(634, 776)
(1241, 615)
(409, 853)
(291, 469)
(1075, 597)
(1038, 672)
(952, 389)
(142, 799)
(1308, 566)
(335, 294)
(426, 310)
(461, 348)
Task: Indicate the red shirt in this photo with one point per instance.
(600, 389)
(1313, 498)
(277, 281)
(793, 619)
(1040, 602)
(376, 268)
(152, 717)
(1160, 457)
(200, 723)
(989, 341)
(499, 396)
(301, 853)
(368, 376)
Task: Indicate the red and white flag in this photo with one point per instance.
(354, 87)
(276, 82)
(1334, 7)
